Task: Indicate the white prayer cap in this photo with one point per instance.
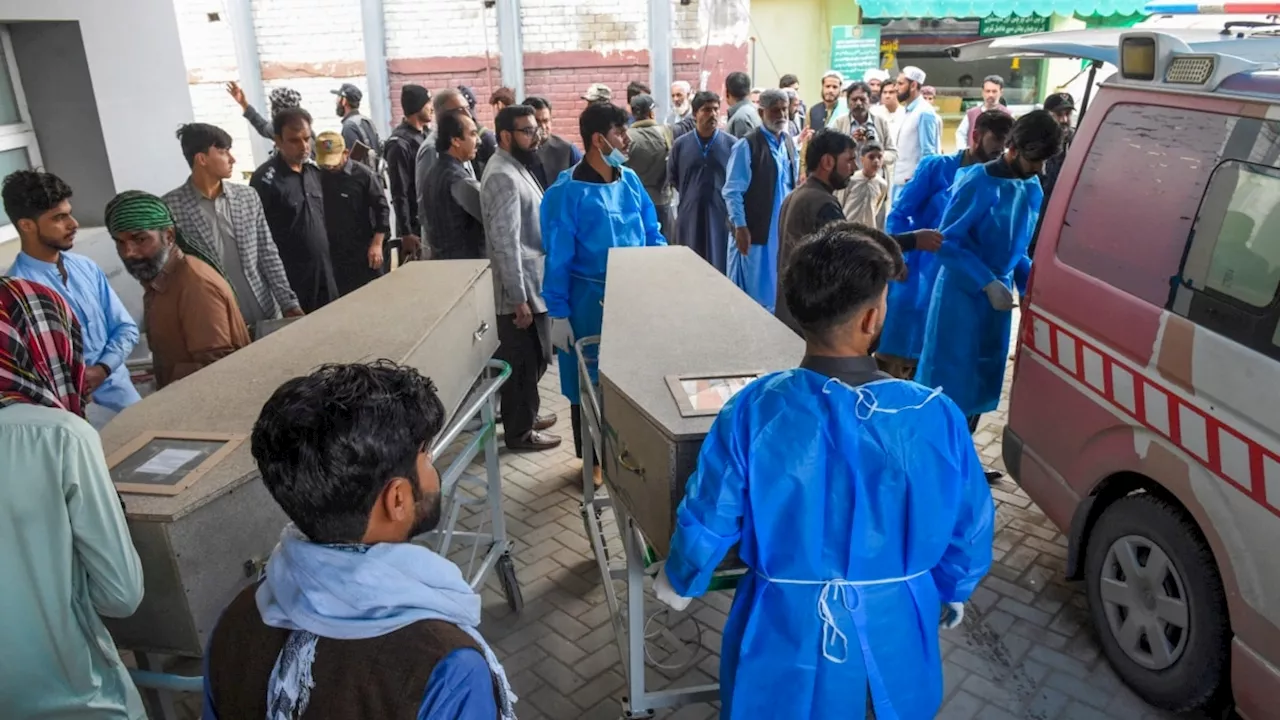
(913, 73)
(874, 74)
(833, 74)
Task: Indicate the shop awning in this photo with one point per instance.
(1001, 8)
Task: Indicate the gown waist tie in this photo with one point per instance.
(836, 590)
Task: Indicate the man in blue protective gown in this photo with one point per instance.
(697, 167)
(920, 207)
(762, 170)
(859, 503)
(986, 229)
(593, 206)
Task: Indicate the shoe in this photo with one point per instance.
(994, 477)
(544, 422)
(533, 441)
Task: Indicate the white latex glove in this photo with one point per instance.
(667, 595)
(952, 614)
(562, 334)
(998, 294)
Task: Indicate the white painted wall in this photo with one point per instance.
(439, 28)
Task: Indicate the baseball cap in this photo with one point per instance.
(349, 92)
(1059, 101)
(598, 92)
(413, 98)
(329, 149)
(913, 73)
(642, 104)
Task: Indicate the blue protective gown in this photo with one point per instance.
(697, 169)
(580, 222)
(825, 483)
(918, 207)
(986, 230)
(757, 272)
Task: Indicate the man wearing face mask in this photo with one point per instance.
(986, 230)
(598, 205)
(762, 170)
(856, 502)
(190, 314)
(510, 197)
(920, 207)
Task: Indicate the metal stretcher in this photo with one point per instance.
(480, 405)
(631, 624)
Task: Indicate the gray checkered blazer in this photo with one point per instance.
(258, 254)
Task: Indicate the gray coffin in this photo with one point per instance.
(202, 546)
(668, 312)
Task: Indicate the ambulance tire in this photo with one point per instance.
(1197, 677)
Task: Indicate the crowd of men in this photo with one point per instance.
(892, 260)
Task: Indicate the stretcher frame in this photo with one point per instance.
(638, 561)
(158, 688)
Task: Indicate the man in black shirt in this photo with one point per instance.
(452, 192)
(356, 216)
(293, 201)
(402, 157)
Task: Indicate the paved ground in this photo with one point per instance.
(1026, 649)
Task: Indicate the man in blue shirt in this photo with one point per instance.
(762, 170)
(39, 206)
(352, 619)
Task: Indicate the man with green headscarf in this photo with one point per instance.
(190, 315)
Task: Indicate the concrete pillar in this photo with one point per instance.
(249, 66)
(660, 75)
(375, 68)
(510, 46)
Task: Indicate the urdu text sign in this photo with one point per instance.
(855, 49)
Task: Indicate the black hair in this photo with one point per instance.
(287, 118)
(1036, 135)
(702, 97)
(327, 444)
(827, 141)
(994, 121)
(737, 85)
(506, 118)
(600, 118)
(635, 87)
(870, 148)
(836, 272)
(198, 138)
(28, 194)
(788, 80)
(537, 102)
(858, 84)
(448, 127)
(995, 79)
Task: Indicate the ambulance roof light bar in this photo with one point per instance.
(1192, 8)
(1156, 58)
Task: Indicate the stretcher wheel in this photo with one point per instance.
(510, 586)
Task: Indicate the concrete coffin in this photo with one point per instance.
(202, 545)
(668, 312)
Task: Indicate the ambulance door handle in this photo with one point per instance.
(481, 331)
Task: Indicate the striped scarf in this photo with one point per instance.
(41, 356)
(134, 210)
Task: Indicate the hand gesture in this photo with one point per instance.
(237, 94)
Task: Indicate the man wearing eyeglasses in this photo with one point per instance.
(510, 197)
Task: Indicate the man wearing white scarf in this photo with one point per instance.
(351, 619)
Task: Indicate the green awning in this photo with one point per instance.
(986, 8)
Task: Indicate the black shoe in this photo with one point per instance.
(544, 422)
(534, 441)
(994, 477)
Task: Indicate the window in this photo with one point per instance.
(18, 149)
(1132, 207)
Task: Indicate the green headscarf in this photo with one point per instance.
(134, 210)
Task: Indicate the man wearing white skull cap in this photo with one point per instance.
(921, 132)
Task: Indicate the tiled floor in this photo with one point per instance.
(1025, 650)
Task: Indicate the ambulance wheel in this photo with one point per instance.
(510, 586)
(1157, 602)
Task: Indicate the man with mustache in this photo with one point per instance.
(191, 317)
(762, 170)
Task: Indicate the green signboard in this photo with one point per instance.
(997, 26)
(855, 49)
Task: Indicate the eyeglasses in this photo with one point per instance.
(528, 131)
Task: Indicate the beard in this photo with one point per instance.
(59, 243)
(523, 156)
(778, 126)
(148, 269)
(904, 96)
(428, 510)
(339, 111)
(838, 181)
